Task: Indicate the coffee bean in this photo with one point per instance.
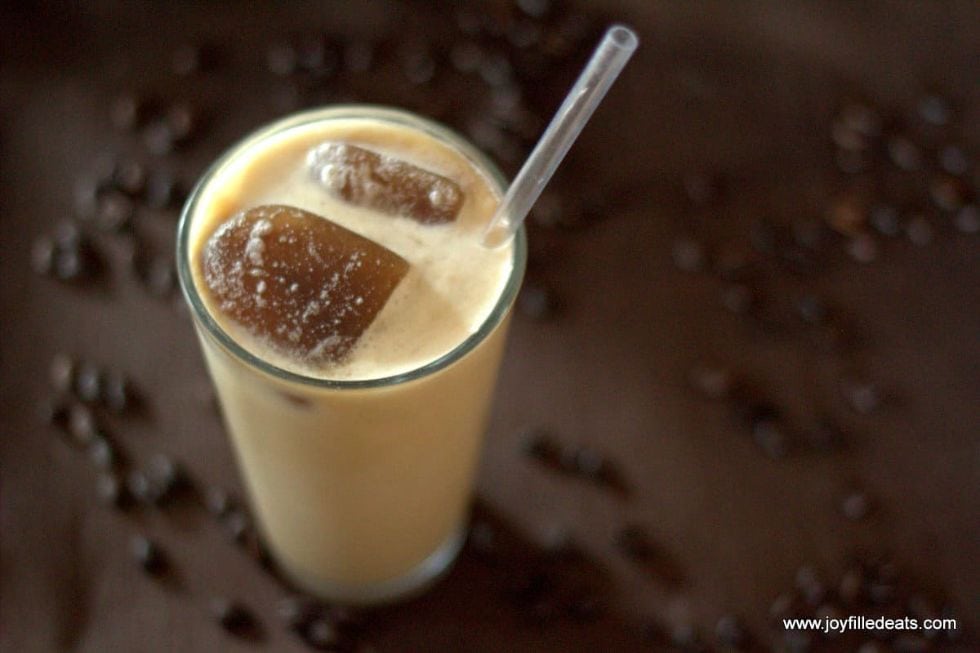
(881, 592)
(88, 382)
(102, 453)
(782, 607)
(297, 611)
(904, 153)
(738, 298)
(811, 309)
(321, 634)
(797, 641)
(934, 110)
(949, 193)
(862, 248)
(126, 112)
(589, 463)
(142, 488)
(159, 138)
(862, 396)
(43, 255)
(712, 382)
(731, 633)
(110, 491)
(238, 525)
(918, 230)
(872, 646)
(231, 615)
(688, 254)
(117, 393)
(217, 501)
(847, 215)
(281, 59)
(181, 120)
(771, 437)
(187, 60)
(884, 219)
(810, 585)
(860, 118)
(847, 138)
(159, 277)
(908, 643)
(129, 177)
(165, 474)
(954, 160)
(851, 586)
(855, 506)
(466, 57)
(61, 373)
(70, 265)
(536, 302)
(115, 211)
(534, 8)
(148, 555)
(967, 219)
(161, 189)
(81, 425)
(685, 637)
(419, 66)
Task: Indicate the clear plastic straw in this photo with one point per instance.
(607, 62)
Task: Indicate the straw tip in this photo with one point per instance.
(623, 36)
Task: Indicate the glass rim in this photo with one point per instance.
(216, 332)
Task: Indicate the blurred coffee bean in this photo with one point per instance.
(918, 230)
(738, 298)
(685, 638)
(181, 121)
(110, 490)
(711, 382)
(904, 153)
(419, 66)
(187, 59)
(860, 118)
(949, 193)
(166, 475)
(847, 138)
(466, 57)
(495, 69)
(217, 501)
(281, 59)
(159, 277)
(237, 524)
(296, 611)
(796, 641)
(158, 138)
(115, 211)
(148, 555)
(321, 634)
(847, 215)
(81, 425)
(954, 160)
(588, 463)
(141, 488)
(810, 585)
(855, 506)
(102, 453)
(730, 633)
(967, 219)
(536, 302)
(688, 254)
(534, 8)
(863, 248)
(231, 615)
(127, 112)
(61, 373)
(161, 189)
(884, 219)
(811, 309)
(934, 110)
(117, 392)
(88, 382)
(862, 396)
(781, 607)
(851, 586)
(771, 438)
(129, 177)
(539, 445)
(42, 255)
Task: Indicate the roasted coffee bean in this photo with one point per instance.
(730, 632)
(231, 615)
(129, 177)
(934, 110)
(102, 453)
(297, 611)
(967, 219)
(847, 138)
(81, 425)
(321, 634)
(904, 153)
(781, 607)
(860, 118)
(165, 474)
(850, 589)
(738, 298)
(949, 193)
(810, 585)
(688, 254)
(43, 255)
(126, 112)
(148, 555)
(847, 215)
(159, 138)
(88, 382)
(589, 463)
(534, 8)
(188, 59)
(161, 190)
(61, 373)
(863, 248)
(711, 382)
(496, 70)
(771, 437)
(181, 120)
(217, 501)
(419, 66)
(884, 219)
(536, 302)
(855, 506)
(142, 488)
(797, 641)
(918, 230)
(954, 160)
(117, 393)
(159, 277)
(862, 396)
(811, 309)
(881, 592)
(70, 264)
(685, 637)
(238, 525)
(281, 59)
(110, 491)
(466, 57)
(115, 211)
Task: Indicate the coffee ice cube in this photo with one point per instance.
(297, 281)
(384, 183)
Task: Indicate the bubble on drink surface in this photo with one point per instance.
(298, 282)
(384, 183)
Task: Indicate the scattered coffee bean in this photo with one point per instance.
(110, 491)
(850, 590)
(159, 277)
(685, 637)
(908, 643)
(148, 555)
(237, 525)
(117, 392)
(419, 66)
(863, 248)
(187, 60)
(61, 373)
(536, 302)
(810, 586)
(539, 444)
(918, 230)
(217, 501)
(466, 57)
(281, 59)
(855, 506)
(42, 255)
(158, 138)
(161, 189)
(181, 120)
(588, 462)
(848, 139)
(81, 425)
(738, 298)
(730, 632)
(881, 592)
(847, 215)
(797, 641)
(904, 153)
(126, 112)
(321, 634)
(711, 382)
(861, 118)
(949, 193)
(934, 110)
(102, 453)
(129, 177)
(142, 488)
(863, 397)
(884, 219)
(688, 254)
(88, 382)
(115, 212)
(782, 607)
(534, 8)
(771, 437)
(231, 615)
(967, 219)
(954, 160)
(165, 475)
(496, 70)
(297, 611)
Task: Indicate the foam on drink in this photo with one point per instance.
(399, 189)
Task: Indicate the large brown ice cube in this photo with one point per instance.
(384, 183)
(297, 281)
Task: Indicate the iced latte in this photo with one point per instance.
(353, 325)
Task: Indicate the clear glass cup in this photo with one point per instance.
(360, 488)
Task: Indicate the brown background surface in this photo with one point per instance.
(745, 90)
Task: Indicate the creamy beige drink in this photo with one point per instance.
(355, 375)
